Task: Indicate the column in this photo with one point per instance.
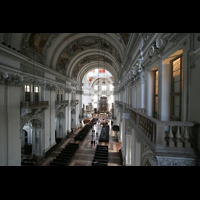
(138, 91)
(138, 151)
(159, 87)
(40, 143)
(130, 96)
(120, 132)
(29, 133)
(134, 97)
(133, 147)
(69, 112)
(66, 113)
(123, 138)
(33, 140)
(142, 88)
(128, 149)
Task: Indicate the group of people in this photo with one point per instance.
(93, 141)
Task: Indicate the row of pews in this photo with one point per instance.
(101, 156)
(65, 156)
(104, 136)
(83, 132)
(94, 121)
(28, 162)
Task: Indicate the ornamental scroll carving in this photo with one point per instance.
(167, 161)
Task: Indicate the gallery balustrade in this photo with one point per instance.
(162, 137)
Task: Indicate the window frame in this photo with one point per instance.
(58, 95)
(155, 113)
(27, 93)
(173, 94)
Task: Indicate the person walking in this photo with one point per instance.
(91, 142)
(94, 142)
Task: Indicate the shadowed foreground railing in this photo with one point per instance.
(173, 138)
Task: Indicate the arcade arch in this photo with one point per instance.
(32, 134)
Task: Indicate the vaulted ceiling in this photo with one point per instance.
(75, 54)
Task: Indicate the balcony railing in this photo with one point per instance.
(74, 102)
(34, 104)
(177, 138)
(61, 103)
(33, 107)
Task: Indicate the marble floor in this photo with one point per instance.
(85, 153)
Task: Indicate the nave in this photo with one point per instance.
(85, 153)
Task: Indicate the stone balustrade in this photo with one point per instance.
(177, 138)
(179, 134)
(34, 104)
(61, 104)
(74, 102)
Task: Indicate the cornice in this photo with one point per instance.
(29, 63)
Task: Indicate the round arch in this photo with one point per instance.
(109, 59)
(94, 80)
(31, 118)
(61, 41)
(147, 155)
(94, 65)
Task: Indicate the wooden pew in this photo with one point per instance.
(27, 163)
(104, 136)
(99, 163)
(83, 132)
(102, 146)
(102, 152)
(101, 155)
(56, 164)
(65, 156)
(61, 160)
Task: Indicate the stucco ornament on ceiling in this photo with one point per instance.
(82, 44)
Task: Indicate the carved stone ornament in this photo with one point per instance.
(68, 90)
(153, 161)
(32, 70)
(125, 115)
(10, 80)
(50, 87)
(173, 161)
(82, 44)
(151, 51)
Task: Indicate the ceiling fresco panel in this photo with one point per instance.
(38, 40)
(125, 37)
(82, 44)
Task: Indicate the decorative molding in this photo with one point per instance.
(10, 80)
(49, 87)
(89, 59)
(32, 70)
(29, 116)
(82, 44)
(138, 139)
(172, 161)
(68, 90)
(33, 53)
(79, 92)
(153, 161)
(125, 115)
(60, 80)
